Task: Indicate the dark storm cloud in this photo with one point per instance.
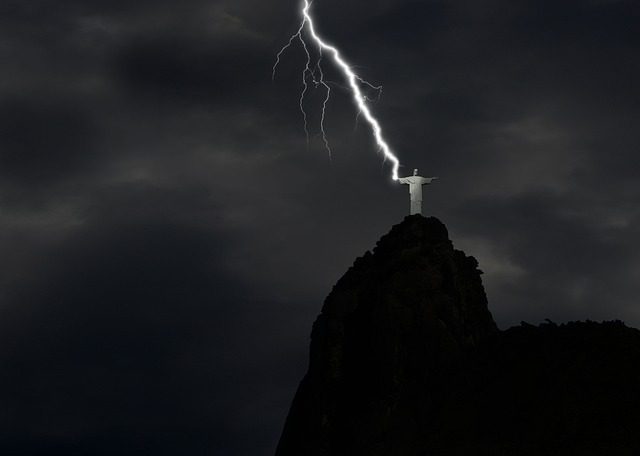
(585, 261)
(101, 348)
(44, 140)
(175, 68)
(167, 235)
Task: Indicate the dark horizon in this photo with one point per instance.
(167, 237)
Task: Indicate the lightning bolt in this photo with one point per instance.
(315, 75)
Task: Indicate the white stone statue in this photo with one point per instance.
(415, 183)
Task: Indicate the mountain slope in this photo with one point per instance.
(406, 360)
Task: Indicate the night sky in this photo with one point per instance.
(167, 237)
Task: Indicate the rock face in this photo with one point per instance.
(406, 360)
(395, 320)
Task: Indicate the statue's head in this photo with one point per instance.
(415, 172)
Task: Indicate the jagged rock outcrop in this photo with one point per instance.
(406, 360)
(397, 319)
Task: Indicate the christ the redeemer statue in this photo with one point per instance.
(415, 183)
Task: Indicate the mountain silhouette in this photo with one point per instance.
(407, 360)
